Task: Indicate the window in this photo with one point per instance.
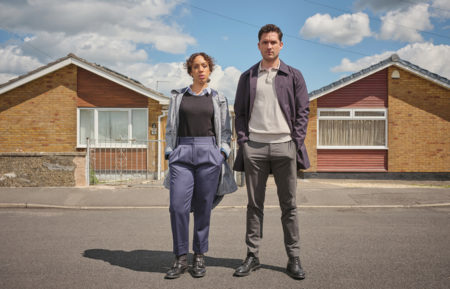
(352, 128)
(109, 126)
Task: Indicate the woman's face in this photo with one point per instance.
(200, 70)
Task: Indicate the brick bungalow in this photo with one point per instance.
(392, 118)
(48, 114)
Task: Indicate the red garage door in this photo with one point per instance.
(352, 160)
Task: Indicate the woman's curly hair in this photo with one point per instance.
(190, 61)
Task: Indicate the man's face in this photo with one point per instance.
(270, 46)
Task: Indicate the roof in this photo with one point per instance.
(392, 60)
(92, 67)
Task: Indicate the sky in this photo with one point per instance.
(149, 40)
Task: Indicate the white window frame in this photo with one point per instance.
(130, 127)
(352, 116)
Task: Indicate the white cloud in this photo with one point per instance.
(404, 25)
(440, 9)
(96, 28)
(5, 77)
(167, 76)
(434, 58)
(14, 63)
(161, 76)
(91, 46)
(346, 29)
(73, 17)
(111, 33)
(225, 81)
(386, 5)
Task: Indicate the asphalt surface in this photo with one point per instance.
(354, 234)
(368, 248)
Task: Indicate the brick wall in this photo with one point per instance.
(370, 91)
(40, 116)
(311, 136)
(42, 169)
(419, 124)
(96, 91)
(154, 111)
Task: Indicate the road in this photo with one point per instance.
(341, 248)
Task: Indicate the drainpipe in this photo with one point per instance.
(159, 143)
(88, 162)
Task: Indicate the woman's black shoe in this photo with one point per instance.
(179, 267)
(198, 267)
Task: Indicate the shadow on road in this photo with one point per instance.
(157, 261)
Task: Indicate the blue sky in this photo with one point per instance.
(149, 40)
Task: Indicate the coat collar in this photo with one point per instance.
(179, 90)
(254, 69)
(185, 89)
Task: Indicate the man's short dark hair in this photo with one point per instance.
(270, 28)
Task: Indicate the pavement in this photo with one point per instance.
(311, 193)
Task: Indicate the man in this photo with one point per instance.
(271, 108)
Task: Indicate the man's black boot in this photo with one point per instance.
(178, 267)
(198, 267)
(294, 268)
(250, 264)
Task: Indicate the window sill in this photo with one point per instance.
(351, 148)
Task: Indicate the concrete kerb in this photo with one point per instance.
(44, 206)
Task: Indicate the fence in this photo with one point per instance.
(131, 161)
(124, 160)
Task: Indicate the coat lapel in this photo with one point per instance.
(283, 97)
(253, 81)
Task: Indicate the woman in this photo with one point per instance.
(197, 143)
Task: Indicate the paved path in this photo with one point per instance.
(311, 193)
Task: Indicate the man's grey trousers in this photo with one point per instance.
(260, 159)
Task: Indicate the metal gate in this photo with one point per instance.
(132, 161)
(124, 161)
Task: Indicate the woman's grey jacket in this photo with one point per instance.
(222, 129)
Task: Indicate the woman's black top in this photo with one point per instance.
(196, 115)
